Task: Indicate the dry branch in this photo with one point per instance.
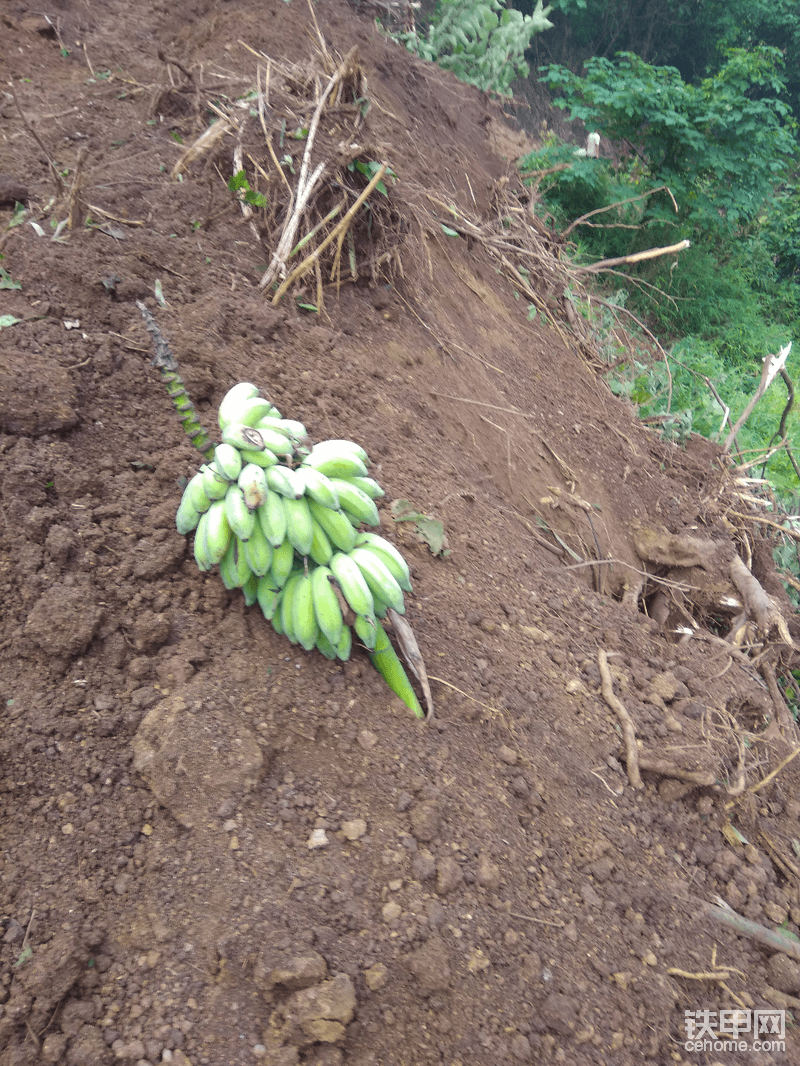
(306, 183)
(625, 721)
(773, 364)
(619, 203)
(338, 231)
(627, 260)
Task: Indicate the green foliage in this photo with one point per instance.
(578, 185)
(240, 187)
(691, 35)
(721, 146)
(480, 41)
(681, 390)
(782, 232)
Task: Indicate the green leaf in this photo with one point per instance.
(8, 320)
(238, 181)
(448, 231)
(7, 282)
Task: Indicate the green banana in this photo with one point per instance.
(264, 459)
(336, 524)
(366, 630)
(214, 483)
(335, 464)
(227, 461)
(368, 485)
(240, 518)
(321, 549)
(240, 436)
(379, 578)
(233, 399)
(345, 645)
(356, 502)
(318, 487)
(197, 494)
(295, 431)
(233, 568)
(352, 583)
(187, 516)
(277, 442)
(286, 481)
(258, 552)
(325, 646)
(272, 517)
(282, 562)
(250, 412)
(304, 622)
(250, 590)
(299, 525)
(345, 447)
(326, 604)
(381, 606)
(385, 660)
(389, 555)
(277, 617)
(217, 532)
(201, 544)
(287, 606)
(268, 596)
(253, 483)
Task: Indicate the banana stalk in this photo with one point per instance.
(168, 365)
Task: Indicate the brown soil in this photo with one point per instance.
(493, 889)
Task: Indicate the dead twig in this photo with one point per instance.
(703, 778)
(60, 187)
(773, 364)
(337, 232)
(637, 257)
(759, 604)
(625, 721)
(619, 203)
(774, 773)
(788, 727)
(306, 183)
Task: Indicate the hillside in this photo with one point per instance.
(497, 884)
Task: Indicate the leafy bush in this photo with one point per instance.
(721, 146)
(681, 390)
(480, 41)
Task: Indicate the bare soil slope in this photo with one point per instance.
(493, 888)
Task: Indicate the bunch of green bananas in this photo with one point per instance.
(282, 520)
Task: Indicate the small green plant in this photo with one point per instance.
(481, 41)
(369, 170)
(240, 187)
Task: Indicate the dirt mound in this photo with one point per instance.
(220, 849)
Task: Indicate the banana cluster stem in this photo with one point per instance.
(176, 389)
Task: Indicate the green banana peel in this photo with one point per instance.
(386, 661)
